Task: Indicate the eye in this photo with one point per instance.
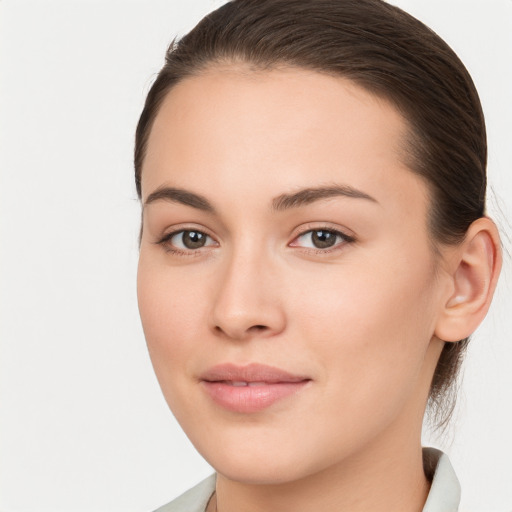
(186, 240)
(321, 239)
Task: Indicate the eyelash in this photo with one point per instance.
(346, 239)
(164, 242)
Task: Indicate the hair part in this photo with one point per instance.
(390, 54)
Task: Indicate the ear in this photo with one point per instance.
(474, 269)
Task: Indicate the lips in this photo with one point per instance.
(251, 388)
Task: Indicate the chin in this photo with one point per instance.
(269, 458)
(245, 470)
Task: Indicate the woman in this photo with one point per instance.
(314, 251)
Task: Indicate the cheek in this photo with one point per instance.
(171, 315)
(371, 324)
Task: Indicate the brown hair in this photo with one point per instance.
(388, 53)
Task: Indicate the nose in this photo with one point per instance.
(248, 302)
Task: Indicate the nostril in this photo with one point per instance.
(235, 333)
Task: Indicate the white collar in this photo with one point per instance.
(444, 495)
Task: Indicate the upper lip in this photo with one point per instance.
(253, 372)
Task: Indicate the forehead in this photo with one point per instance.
(233, 128)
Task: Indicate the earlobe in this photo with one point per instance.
(475, 271)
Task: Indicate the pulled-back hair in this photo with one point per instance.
(388, 53)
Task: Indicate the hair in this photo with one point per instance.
(390, 54)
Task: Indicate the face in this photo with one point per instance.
(286, 285)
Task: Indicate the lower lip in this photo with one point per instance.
(247, 399)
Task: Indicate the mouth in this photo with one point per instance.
(251, 388)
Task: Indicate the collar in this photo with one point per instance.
(444, 495)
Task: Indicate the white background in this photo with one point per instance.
(83, 424)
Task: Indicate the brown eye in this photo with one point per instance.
(193, 239)
(188, 240)
(321, 239)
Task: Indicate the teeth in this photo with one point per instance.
(252, 384)
(238, 384)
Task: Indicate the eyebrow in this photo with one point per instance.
(282, 202)
(179, 195)
(309, 195)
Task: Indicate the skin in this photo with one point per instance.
(361, 319)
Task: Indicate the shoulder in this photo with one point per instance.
(193, 500)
